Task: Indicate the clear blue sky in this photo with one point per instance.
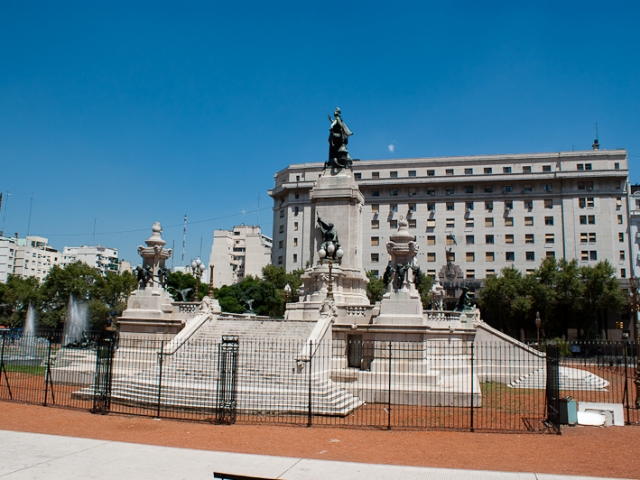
(124, 113)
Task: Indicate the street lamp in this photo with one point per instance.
(634, 302)
(332, 254)
(538, 323)
(287, 292)
(197, 268)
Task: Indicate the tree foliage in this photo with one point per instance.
(566, 294)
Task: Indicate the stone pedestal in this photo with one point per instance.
(150, 311)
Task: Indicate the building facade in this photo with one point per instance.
(474, 215)
(7, 256)
(237, 253)
(103, 258)
(34, 257)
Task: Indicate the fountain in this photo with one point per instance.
(76, 323)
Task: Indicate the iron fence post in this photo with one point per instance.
(3, 369)
(47, 377)
(625, 395)
(553, 388)
(310, 413)
(389, 398)
(472, 360)
(160, 360)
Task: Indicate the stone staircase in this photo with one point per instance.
(269, 379)
(570, 379)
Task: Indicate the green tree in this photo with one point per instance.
(375, 288)
(602, 293)
(179, 282)
(424, 289)
(15, 297)
(505, 300)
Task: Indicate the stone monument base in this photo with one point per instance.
(150, 311)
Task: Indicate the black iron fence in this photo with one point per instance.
(434, 384)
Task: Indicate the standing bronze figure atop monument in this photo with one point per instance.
(339, 135)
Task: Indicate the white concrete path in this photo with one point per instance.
(51, 457)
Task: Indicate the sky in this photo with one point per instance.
(114, 115)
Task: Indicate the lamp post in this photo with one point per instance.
(634, 302)
(287, 292)
(538, 323)
(211, 282)
(332, 254)
(197, 267)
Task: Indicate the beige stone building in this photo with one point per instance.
(237, 253)
(34, 257)
(474, 215)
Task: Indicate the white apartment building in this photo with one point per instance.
(7, 256)
(634, 229)
(103, 258)
(237, 253)
(476, 214)
(34, 257)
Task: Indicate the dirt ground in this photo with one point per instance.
(606, 452)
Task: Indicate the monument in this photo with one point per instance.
(150, 308)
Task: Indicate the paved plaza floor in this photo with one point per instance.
(39, 456)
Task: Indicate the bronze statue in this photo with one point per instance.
(329, 235)
(339, 135)
(144, 275)
(163, 276)
(464, 302)
(388, 275)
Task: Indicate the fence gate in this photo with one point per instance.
(227, 362)
(553, 388)
(102, 381)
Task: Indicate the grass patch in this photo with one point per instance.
(30, 369)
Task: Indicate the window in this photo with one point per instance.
(618, 203)
(375, 224)
(587, 166)
(450, 240)
(431, 223)
(508, 238)
(546, 168)
(393, 192)
(470, 257)
(449, 171)
(469, 223)
(593, 255)
(375, 241)
(510, 256)
(507, 189)
(471, 240)
(490, 257)
(412, 223)
(528, 204)
(488, 205)
(451, 256)
(413, 191)
(295, 258)
(488, 189)
(468, 171)
(357, 176)
(528, 188)
(589, 237)
(468, 189)
(547, 187)
(431, 239)
(281, 229)
(471, 274)
(508, 205)
(508, 222)
(488, 170)
(375, 273)
(468, 206)
(295, 226)
(449, 191)
(621, 237)
(548, 221)
(623, 273)
(393, 174)
(412, 173)
(488, 222)
(296, 210)
(530, 256)
(580, 166)
(528, 221)
(431, 273)
(489, 240)
(375, 208)
(295, 242)
(550, 254)
(581, 186)
(431, 207)
(281, 213)
(296, 195)
(280, 260)
(529, 238)
(549, 238)
(431, 191)
(431, 256)
(412, 207)
(451, 223)
(393, 207)
(590, 202)
(375, 193)
(450, 206)
(548, 203)
(490, 273)
(619, 219)
(506, 169)
(393, 224)
(622, 255)
(375, 174)
(431, 173)
(375, 257)
(589, 186)
(526, 169)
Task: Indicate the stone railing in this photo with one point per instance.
(451, 316)
(186, 307)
